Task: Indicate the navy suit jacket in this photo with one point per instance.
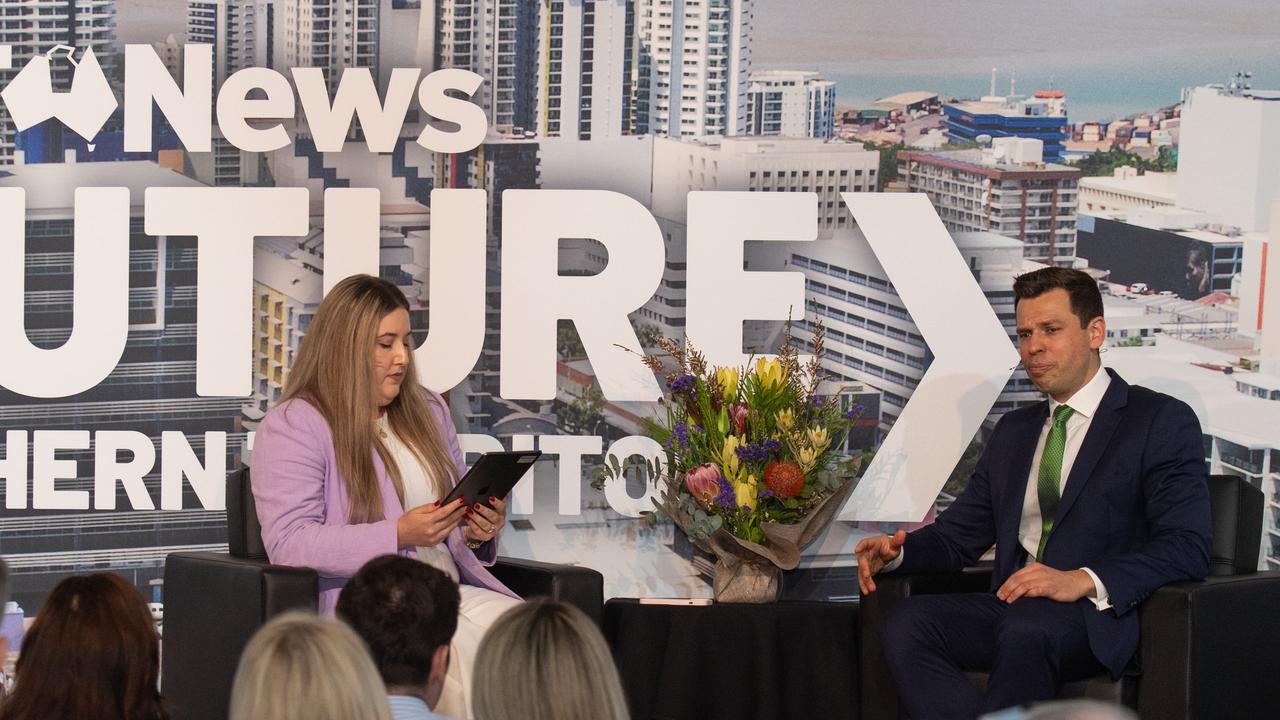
(1135, 509)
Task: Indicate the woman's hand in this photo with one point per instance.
(483, 523)
(428, 525)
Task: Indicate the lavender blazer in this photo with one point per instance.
(303, 504)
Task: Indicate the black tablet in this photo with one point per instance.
(493, 475)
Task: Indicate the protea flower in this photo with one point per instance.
(784, 479)
(738, 412)
(703, 483)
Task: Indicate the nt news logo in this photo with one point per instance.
(31, 99)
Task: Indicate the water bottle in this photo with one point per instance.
(12, 626)
(156, 606)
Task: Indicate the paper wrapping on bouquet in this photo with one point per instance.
(748, 572)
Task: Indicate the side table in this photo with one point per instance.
(738, 662)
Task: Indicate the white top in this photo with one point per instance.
(1085, 404)
(418, 490)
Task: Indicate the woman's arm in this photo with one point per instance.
(289, 471)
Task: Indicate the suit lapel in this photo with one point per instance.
(1025, 437)
(1101, 430)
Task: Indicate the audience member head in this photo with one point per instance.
(91, 654)
(1060, 328)
(300, 666)
(355, 363)
(406, 612)
(545, 660)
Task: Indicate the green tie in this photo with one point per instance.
(1048, 486)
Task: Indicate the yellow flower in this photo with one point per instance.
(745, 493)
(770, 371)
(728, 379)
(818, 438)
(808, 457)
(729, 458)
(786, 418)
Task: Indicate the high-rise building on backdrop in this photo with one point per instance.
(1230, 174)
(240, 32)
(695, 56)
(496, 39)
(332, 35)
(1005, 189)
(793, 103)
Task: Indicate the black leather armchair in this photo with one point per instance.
(215, 602)
(1203, 647)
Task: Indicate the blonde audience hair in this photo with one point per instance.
(544, 660)
(300, 666)
(334, 372)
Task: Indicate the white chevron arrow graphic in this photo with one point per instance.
(973, 357)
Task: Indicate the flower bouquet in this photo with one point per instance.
(750, 472)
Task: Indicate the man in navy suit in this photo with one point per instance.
(1092, 499)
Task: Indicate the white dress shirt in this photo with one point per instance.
(1085, 406)
(1084, 403)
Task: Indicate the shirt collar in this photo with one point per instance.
(1087, 399)
(409, 703)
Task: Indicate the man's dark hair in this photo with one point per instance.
(403, 609)
(1086, 299)
(4, 581)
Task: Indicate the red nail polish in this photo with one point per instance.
(493, 499)
(437, 503)
(477, 506)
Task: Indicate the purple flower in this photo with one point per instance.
(855, 412)
(680, 435)
(725, 498)
(682, 384)
(765, 493)
(772, 446)
(751, 452)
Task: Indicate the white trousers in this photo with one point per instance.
(480, 609)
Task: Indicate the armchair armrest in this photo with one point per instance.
(578, 586)
(213, 604)
(1205, 644)
(878, 694)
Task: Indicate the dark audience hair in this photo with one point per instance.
(91, 654)
(1086, 299)
(403, 609)
(4, 581)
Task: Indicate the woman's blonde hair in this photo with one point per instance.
(300, 666)
(544, 660)
(334, 372)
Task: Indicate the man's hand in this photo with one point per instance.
(1036, 580)
(873, 554)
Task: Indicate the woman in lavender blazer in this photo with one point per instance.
(353, 462)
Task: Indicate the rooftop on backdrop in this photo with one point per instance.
(907, 100)
(52, 186)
